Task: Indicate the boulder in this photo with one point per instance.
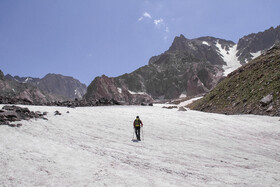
(14, 113)
(266, 100)
(57, 113)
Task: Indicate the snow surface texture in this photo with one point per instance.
(229, 57)
(93, 147)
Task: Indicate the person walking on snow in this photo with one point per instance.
(137, 125)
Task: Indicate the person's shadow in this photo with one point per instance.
(134, 140)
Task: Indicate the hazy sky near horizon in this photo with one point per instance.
(88, 38)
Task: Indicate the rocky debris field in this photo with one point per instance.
(71, 104)
(10, 115)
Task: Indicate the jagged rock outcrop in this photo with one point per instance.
(65, 87)
(252, 89)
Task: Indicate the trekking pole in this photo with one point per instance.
(142, 133)
(133, 132)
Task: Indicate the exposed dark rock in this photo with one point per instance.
(14, 113)
(169, 107)
(57, 113)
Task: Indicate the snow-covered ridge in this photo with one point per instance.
(229, 57)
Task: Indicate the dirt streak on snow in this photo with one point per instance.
(93, 147)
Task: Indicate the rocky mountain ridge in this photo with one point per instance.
(190, 67)
(21, 93)
(65, 87)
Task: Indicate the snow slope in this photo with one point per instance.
(229, 57)
(93, 147)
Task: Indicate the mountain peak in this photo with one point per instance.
(179, 43)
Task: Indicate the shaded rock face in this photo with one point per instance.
(65, 87)
(252, 89)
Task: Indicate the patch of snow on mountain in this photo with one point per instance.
(140, 93)
(187, 102)
(205, 43)
(255, 55)
(92, 146)
(184, 94)
(78, 94)
(120, 90)
(230, 58)
(27, 79)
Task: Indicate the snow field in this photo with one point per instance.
(92, 146)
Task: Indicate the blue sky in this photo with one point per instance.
(88, 38)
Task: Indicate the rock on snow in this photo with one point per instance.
(91, 146)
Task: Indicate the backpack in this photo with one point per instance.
(137, 122)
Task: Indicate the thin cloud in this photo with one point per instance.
(158, 22)
(145, 15)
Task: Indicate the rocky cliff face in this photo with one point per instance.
(252, 89)
(63, 86)
(190, 67)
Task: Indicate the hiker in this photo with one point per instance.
(137, 125)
